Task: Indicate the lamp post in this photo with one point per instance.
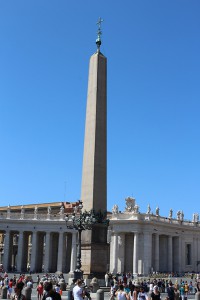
(80, 221)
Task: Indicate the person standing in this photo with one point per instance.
(142, 295)
(106, 279)
(57, 288)
(133, 293)
(176, 294)
(18, 291)
(40, 290)
(78, 291)
(121, 294)
(50, 294)
(182, 292)
(186, 288)
(10, 288)
(170, 291)
(112, 291)
(155, 295)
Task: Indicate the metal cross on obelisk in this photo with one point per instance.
(99, 33)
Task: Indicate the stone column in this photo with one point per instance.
(60, 253)
(135, 253)
(34, 252)
(73, 252)
(157, 252)
(169, 253)
(111, 266)
(198, 253)
(115, 253)
(6, 256)
(47, 253)
(121, 252)
(180, 254)
(20, 251)
(147, 261)
(65, 260)
(194, 253)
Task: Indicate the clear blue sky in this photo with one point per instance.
(153, 52)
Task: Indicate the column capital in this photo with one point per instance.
(136, 233)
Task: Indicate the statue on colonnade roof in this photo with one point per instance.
(130, 204)
(115, 209)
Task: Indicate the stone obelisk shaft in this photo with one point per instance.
(94, 174)
(94, 177)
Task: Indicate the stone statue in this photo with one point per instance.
(61, 210)
(148, 209)
(178, 215)
(115, 209)
(49, 210)
(157, 211)
(130, 203)
(8, 212)
(197, 217)
(136, 209)
(61, 213)
(194, 217)
(181, 215)
(75, 209)
(22, 212)
(170, 213)
(35, 212)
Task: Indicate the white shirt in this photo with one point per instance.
(121, 295)
(142, 296)
(77, 292)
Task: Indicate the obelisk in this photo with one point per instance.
(94, 173)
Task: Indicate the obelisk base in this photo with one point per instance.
(94, 260)
(95, 252)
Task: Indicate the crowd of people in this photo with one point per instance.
(122, 287)
(125, 287)
(47, 286)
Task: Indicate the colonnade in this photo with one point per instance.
(139, 243)
(39, 250)
(144, 252)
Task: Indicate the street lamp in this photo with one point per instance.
(80, 221)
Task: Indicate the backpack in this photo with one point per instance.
(170, 292)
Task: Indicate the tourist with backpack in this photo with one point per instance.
(170, 291)
(49, 293)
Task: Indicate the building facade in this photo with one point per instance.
(144, 243)
(35, 238)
